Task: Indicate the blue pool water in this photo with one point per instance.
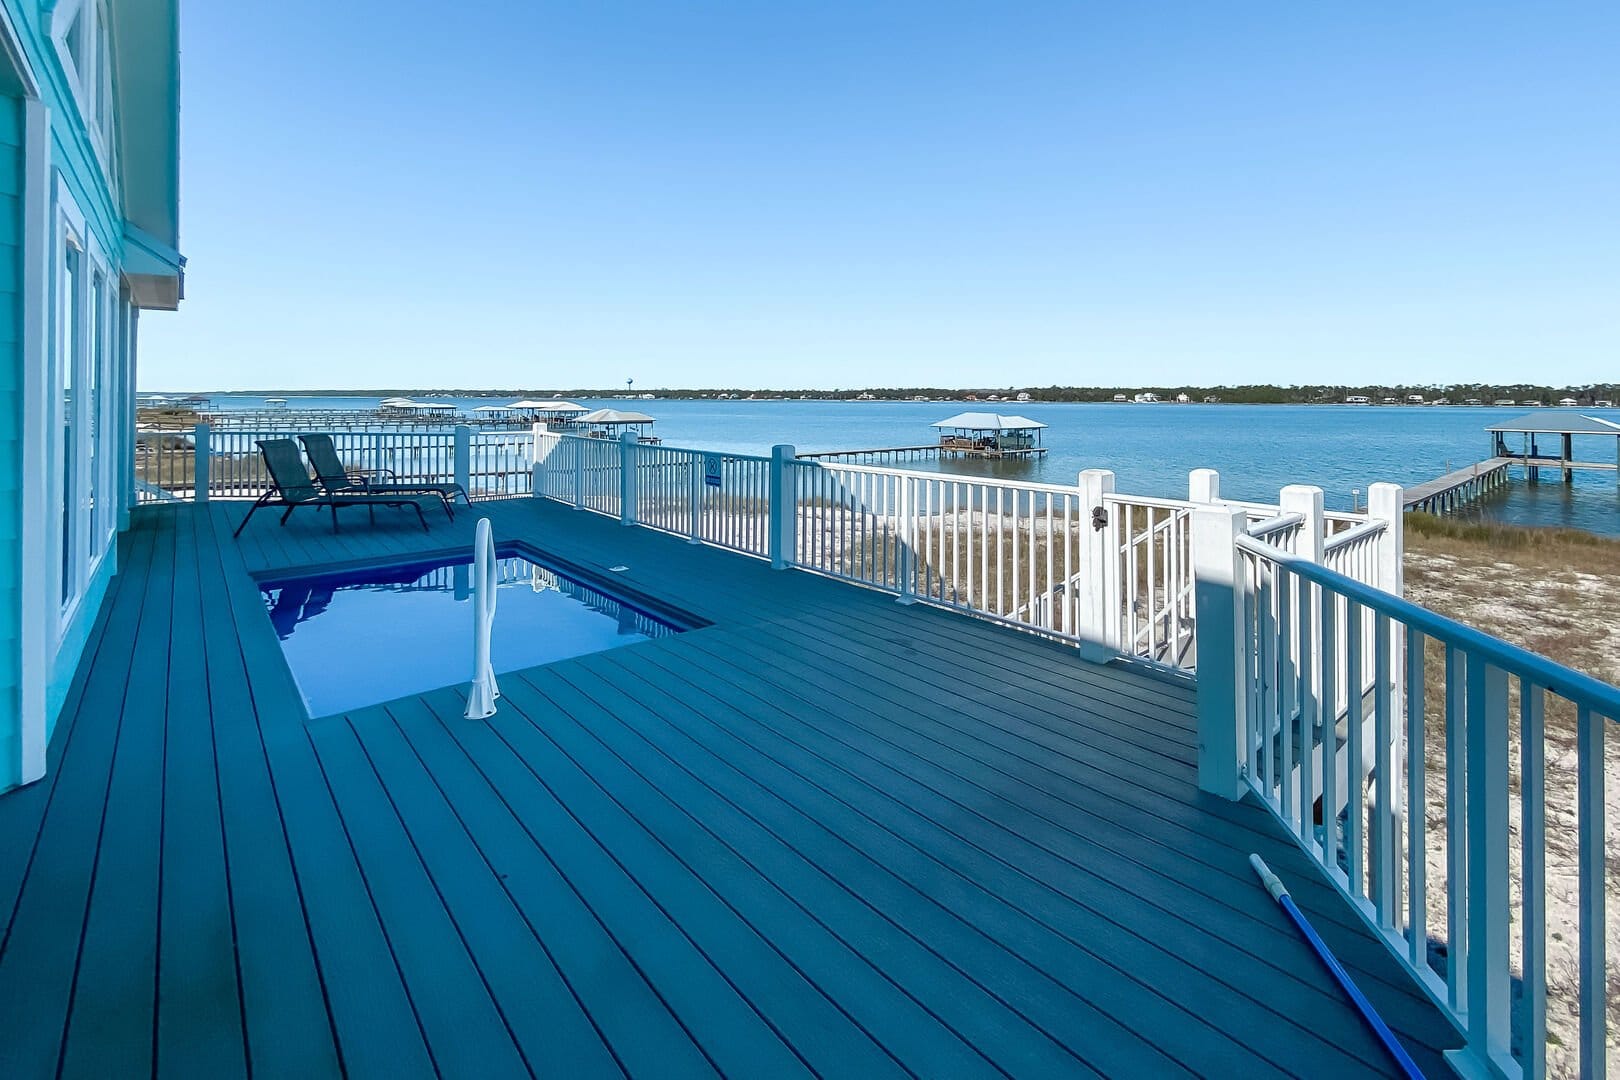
(372, 635)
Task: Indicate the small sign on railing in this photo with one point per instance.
(711, 469)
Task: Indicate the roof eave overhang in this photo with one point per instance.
(154, 271)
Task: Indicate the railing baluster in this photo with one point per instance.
(1330, 736)
(1285, 694)
(1456, 831)
(1593, 902)
(1487, 870)
(1309, 662)
(1417, 846)
(1355, 790)
(1384, 835)
(1533, 895)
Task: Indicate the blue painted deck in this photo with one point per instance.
(827, 835)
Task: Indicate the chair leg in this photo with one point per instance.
(260, 501)
(288, 513)
(419, 517)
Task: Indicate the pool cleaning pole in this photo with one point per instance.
(1392, 1045)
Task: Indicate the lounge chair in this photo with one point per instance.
(291, 487)
(336, 479)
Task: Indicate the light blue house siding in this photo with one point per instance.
(88, 235)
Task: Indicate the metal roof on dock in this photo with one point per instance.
(985, 421)
(1553, 423)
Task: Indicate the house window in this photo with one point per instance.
(84, 46)
(68, 314)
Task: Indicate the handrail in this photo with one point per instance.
(1365, 531)
(879, 470)
(1275, 525)
(1602, 698)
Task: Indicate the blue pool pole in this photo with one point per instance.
(1279, 893)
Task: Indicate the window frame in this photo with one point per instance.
(76, 566)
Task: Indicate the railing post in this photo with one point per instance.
(1203, 486)
(579, 471)
(1098, 564)
(783, 509)
(1306, 501)
(698, 495)
(199, 463)
(628, 448)
(905, 536)
(1222, 643)
(463, 458)
(1387, 503)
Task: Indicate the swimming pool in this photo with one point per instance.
(365, 636)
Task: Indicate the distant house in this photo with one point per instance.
(1184, 399)
(1146, 397)
(1212, 400)
(1358, 399)
(1414, 399)
(1568, 402)
(1121, 397)
(1023, 395)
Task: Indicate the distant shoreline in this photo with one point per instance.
(1459, 395)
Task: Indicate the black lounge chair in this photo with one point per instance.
(291, 487)
(336, 479)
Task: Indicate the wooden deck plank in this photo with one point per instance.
(199, 1016)
(22, 811)
(830, 834)
(39, 954)
(288, 1029)
(547, 1022)
(711, 894)
(464, 1026)
(645, 1036)
(718, 1017)
(1043, 924)
(929, 989)
(373, 1019)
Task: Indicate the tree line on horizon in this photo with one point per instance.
(1242, 394)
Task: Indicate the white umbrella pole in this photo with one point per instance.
(481, 696)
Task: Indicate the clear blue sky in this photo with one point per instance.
(504, 193)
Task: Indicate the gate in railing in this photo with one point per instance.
(1420, 762)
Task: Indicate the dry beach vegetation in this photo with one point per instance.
(1553, 592)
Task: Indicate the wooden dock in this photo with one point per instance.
(1459, 487)
(827, 835)
(885, 455)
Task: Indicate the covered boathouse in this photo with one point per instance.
(984, 434)
(1546, 440)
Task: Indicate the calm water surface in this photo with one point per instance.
(1150, 448)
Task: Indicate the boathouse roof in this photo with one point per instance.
(614, 416)
(1542, 423)
(985, 421)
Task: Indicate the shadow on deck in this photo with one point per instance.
(827, 834)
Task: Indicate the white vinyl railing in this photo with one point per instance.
(205, 462)
(1081, 563)
(1006, 550)
(1420, 762)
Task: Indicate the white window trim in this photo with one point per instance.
(85, 557)
(89, 85)
(38, 221)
